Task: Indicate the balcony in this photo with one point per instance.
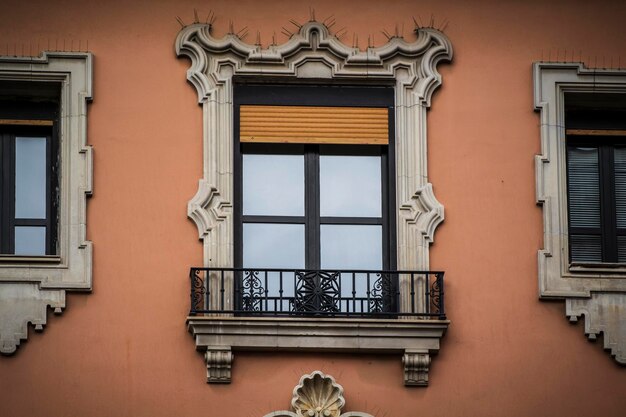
(297, 293)
(356, 311)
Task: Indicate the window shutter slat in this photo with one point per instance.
(586, 248)
(620, 186)
(318, 125)
(583, 187)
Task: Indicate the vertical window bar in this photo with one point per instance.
(280, 290)
(222, 289)
(207, 289)
(367, 293)
(266, 291)
(353, 292)
(412, 292)
(427, 294)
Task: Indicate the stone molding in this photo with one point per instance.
(417, 340)
(594, 292)
(314, 53)
(317, 395)
(29, 285)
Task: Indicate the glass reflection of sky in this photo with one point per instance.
(30, 240)
(352, 247)
(273, 185)
(273, 245)
(30, 178)
(350, 186)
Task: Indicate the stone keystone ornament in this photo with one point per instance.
(317, 395)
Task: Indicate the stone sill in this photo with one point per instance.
(416, 339)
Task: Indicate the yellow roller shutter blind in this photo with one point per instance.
(310, 124)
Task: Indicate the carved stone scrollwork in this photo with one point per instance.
(218, 365)
(317, 395)
(416, 366)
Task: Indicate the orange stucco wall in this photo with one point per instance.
(124, 350)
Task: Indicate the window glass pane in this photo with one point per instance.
(273, 185)
(620, 187)
(30, 240)
(583, 187)
(30, 178)
(350, 186)
(273, 245)
(351, 246)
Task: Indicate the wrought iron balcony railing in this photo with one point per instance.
(289, 292)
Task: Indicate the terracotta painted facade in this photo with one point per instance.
(124, 349)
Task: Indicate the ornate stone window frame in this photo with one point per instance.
(314, 53)
(599, 293)
(28, 285)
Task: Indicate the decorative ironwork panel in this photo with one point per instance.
(252, 291)
(198, 291)
(382, 294)
(317, 291)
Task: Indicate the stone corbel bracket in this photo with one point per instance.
(597, 293)
(29, 285)
(315, 53)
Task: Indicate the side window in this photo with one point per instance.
(581, 186)
(45, 178)
(28, 170)
(596, 177)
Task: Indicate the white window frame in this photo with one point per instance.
(28, 285)
(599, 292)
(315, 53)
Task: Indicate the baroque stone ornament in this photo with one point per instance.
(315, 54)
(218, 364)
(317, 395)
(416, 366)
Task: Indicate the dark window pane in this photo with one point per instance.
(621, 249)
(350, 186)
(583, 187)
(30, 240)
(30, 178)
(273, 185)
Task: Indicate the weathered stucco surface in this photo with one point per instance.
(124, 349)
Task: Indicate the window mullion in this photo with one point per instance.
(3, 189)
(607, 199)
(312, 197)
(9, 181)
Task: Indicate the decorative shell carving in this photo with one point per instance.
(317, 395)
